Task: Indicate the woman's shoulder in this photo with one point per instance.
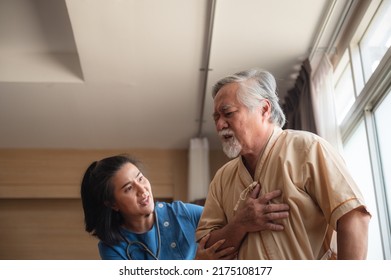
(178, 207)
(111, 252)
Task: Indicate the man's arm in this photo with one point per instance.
(257, 214)
(352, 235)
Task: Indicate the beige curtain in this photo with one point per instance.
(298, 102)
(199, 177)
(323, 101)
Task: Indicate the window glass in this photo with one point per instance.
(344, 90)
(382, 118)
(376, 40)
(357, 158)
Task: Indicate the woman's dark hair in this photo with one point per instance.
(97, 195)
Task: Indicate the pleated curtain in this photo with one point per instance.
(198, 176)
(298, 102)
(323, 101)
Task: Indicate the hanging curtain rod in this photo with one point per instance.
(205, 69)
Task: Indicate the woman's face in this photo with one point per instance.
(132, 192)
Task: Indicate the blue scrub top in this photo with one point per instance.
(177, 224)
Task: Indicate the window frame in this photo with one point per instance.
(368, 97)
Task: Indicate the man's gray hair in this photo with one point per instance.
(254, 86)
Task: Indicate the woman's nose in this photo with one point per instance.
(144, 194)
(141, 189)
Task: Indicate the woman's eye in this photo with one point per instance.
(228, 114)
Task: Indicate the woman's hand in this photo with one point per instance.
(213, 252)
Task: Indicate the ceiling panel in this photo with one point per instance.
(126, 73)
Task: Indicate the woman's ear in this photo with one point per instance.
(112, 206)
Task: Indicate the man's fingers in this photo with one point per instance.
(277, 215)
(276, 207)
(255, 192)
(268, 206)
(275, 227)
(269, 196)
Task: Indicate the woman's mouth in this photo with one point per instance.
(144, 201)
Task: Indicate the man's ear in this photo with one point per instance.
(266, 107)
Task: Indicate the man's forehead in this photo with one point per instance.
(224, 107)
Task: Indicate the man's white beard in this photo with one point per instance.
(231, 147)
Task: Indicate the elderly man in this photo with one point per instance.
(277, 167)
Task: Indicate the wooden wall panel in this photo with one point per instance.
(44, 229)
(58, 173)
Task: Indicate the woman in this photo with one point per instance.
(119, 209)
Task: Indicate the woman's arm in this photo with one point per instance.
(213, 252)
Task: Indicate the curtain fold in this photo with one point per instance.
(323, 101)
(199, 177)
(298, 106)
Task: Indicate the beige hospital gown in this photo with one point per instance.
(314, 182)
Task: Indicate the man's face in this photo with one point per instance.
(234, 122)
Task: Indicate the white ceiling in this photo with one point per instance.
(127, 73)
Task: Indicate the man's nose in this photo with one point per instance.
(220, 124)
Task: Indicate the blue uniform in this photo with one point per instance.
(177, 224)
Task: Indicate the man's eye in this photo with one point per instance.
(228, 114)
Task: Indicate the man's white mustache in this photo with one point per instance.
(226, 132)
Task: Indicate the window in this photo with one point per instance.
(382, 117)
(363, 109)
(376, 40)
(361, 172)
(344, 91)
